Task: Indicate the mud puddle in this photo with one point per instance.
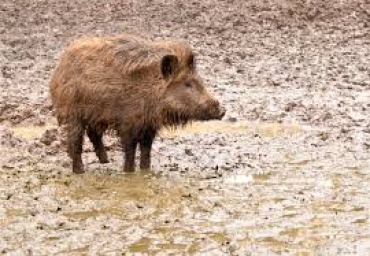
(162, 205)
(255, 213)
(291, 206)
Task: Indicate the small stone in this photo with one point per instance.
(240, 71)
(188, 152)
(186, 195)
(228, 60)
(232, 119)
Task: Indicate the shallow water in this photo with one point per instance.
(295, 206)
(258, 211)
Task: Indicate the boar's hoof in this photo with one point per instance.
(78, 169)
(103, 160)
(145, 166)
(129, 170)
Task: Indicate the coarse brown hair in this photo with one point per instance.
(128, 84)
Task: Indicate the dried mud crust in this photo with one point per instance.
(286, 172)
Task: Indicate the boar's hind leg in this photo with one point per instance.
(95, 137)
(130, 151)
(146, 148)
(74, 145)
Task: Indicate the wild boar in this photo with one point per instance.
(130, 85)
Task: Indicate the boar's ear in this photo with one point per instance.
(169, 66)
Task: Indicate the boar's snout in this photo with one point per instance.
(216, 111)
(222, 113)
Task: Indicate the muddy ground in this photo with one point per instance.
(287, 171)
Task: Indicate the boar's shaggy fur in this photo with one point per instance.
(131, 85)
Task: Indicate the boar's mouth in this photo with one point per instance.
(174, 118)
(210, 117)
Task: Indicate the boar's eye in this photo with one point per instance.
(188, 84)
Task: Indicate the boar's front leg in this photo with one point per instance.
(95, 137)
(130, 152)
(75, 133)
(145, 148)
(129, 144)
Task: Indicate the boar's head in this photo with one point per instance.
(186, 98)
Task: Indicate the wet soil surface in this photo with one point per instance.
(286, 172)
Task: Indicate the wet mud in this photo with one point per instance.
(285, 173)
